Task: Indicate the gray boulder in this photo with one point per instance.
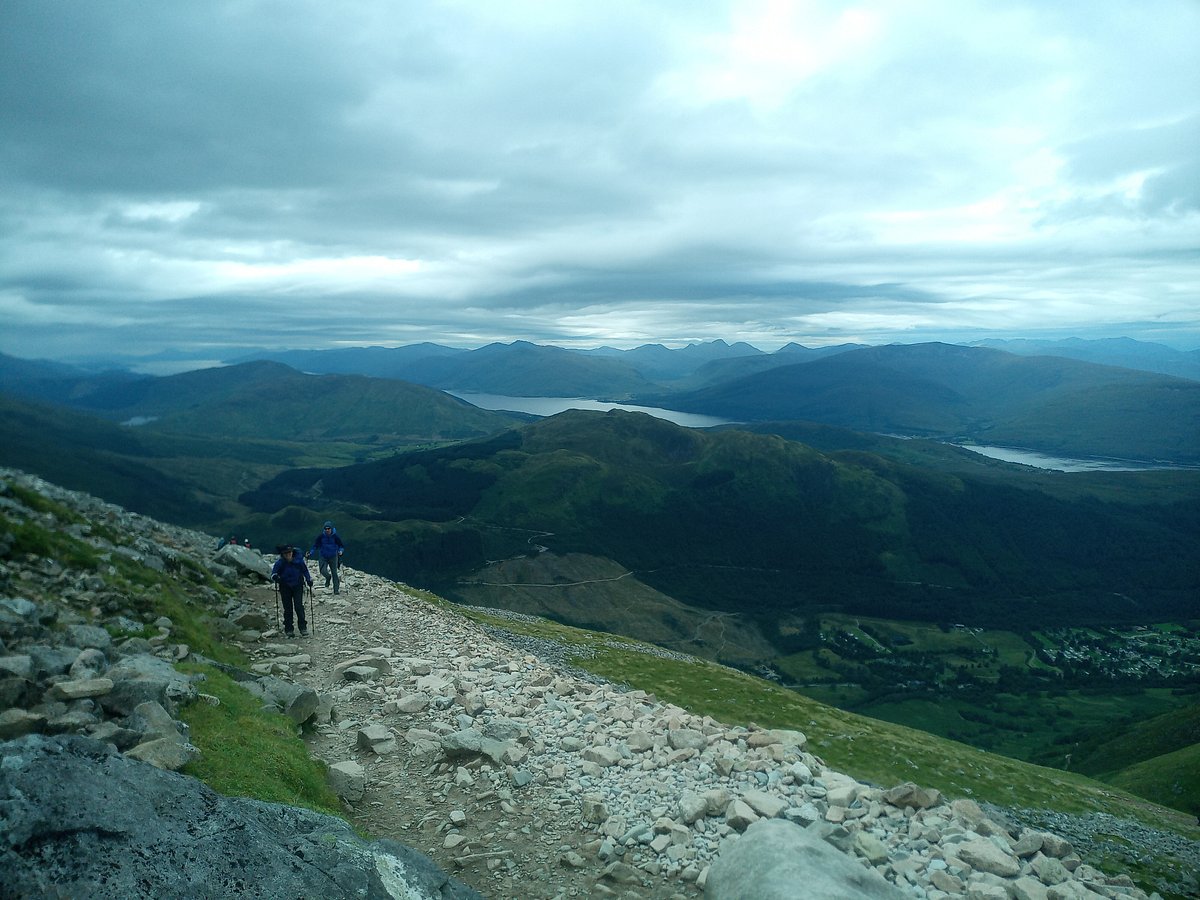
(93, 636)
(225, 574)
(12, 690)
(51, 660)
(244, 561)
(778, 860)
(145, 557)
(140, 679)
(295, 701)
(82, 820)
(20, 665)
(249, 618)
(348, 780)
(17, 722)
(88, 664)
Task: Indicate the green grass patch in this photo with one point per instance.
(247, 751)
(802, 667)
(1039, 727)
(33, 539)
(43, 504)
(1172, 779)
(840, 695)
(190, 625)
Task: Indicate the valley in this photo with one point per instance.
(1050, 697)
(1036, 613)
(1057, 697)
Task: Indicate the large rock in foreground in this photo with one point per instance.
(778, 860)
(78, 819)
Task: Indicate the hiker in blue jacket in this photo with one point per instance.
(291, 574)
(327, 549)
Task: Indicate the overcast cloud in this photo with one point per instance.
(218, 175)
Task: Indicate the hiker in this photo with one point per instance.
(327, 549)
(290, 573)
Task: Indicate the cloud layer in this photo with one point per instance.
(254, 172)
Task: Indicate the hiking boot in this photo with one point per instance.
(288, 634)
(327, 580)
(303, 631)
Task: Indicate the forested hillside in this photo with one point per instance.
(769, 527)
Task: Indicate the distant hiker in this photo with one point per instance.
(221, 542)
(327, 549)
(291, 574)
(247, 543)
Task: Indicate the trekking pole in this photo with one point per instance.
(276, 605)
(312, 611)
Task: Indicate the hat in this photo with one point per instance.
(284, 548)
(327, 525)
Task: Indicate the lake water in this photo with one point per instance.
(1062, 463)
(549, 406)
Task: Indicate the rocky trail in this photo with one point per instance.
(476, 816)
(527, 780)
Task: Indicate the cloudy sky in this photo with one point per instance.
(218, 175)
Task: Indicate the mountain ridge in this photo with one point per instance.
(658, 497)
(948, 391)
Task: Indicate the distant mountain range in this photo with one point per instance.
(261, 400)
(975, 394)
(1125, 352)
(1053, 404)
(706, 363)
(523, 369)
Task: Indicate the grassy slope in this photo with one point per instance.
(596, 593)
(1108, 753)
(1157, 758)
(869, 749)
(249, 752)
(1135, 487)
(220, 432)
(1172, 779)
